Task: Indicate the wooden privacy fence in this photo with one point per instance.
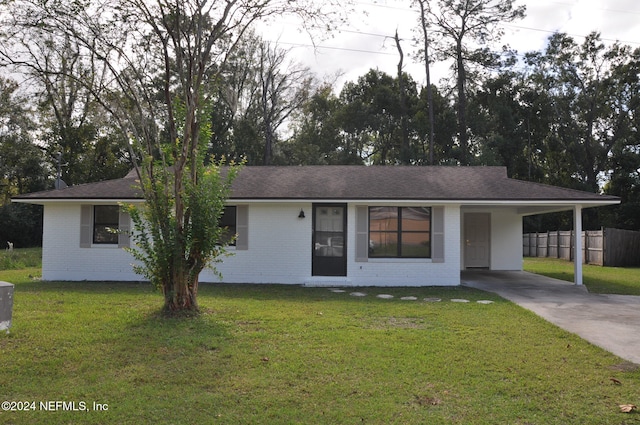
(605, 247)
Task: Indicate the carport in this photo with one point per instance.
(577, 229)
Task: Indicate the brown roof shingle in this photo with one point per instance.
(354, 183)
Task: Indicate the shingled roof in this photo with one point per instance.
(436, 183)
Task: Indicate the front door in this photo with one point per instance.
(329, 240)
(477, 243)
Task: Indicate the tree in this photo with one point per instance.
(372, 115)
(586, 106)
(498, 119)
(624, 159)
(285, 88)
(258, 89)
(21, 169)
(161, 57)
(405, 151)
(21, 166)
(583, 116)
(63, 83)
(463, 31)
(441, 149)
(235, 116)
(317, 138)
(424, 31)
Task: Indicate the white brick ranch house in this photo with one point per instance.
(326, 225)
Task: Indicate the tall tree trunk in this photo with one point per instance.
(427, 68)
(266, 118)
(462, 106)
(405, 151)
(590, 166)
(266, 78)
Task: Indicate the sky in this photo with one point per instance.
(366, 41)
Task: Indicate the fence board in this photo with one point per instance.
(622, 247)
(552, 250)
(594, 246)
(608, 247)
(565, 245)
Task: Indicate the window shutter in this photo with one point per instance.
(437, 256)
(86, 226)
(362, 233)
(124, 229)
(242, 227)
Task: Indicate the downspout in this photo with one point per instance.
(577, 245)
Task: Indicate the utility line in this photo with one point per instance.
(345, 49)
(378, 5)
(572, 35)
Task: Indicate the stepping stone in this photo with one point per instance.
(358, 294)
(385, 296)
(338, 291)
(459, 300)
(409, 298)
(484, 302)
(433, 300)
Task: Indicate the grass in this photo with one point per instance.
(597, 279)
(20, 258)
(265, 354)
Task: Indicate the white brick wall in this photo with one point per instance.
(279, 252)
(409, 272)
(279, 247)
(62, 257)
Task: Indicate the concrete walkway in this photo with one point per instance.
(611, 322)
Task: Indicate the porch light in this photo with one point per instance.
(301, 215)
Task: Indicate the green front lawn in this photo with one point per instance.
(599, 280)
(273, 354)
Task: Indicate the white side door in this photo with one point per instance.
(477, 244)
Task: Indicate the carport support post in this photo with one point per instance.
(577, 245)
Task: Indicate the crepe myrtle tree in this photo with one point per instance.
(173, 250)
(161, 59)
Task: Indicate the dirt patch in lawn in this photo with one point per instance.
(398, 323)
(625, 367)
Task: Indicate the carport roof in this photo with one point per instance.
(476, 185)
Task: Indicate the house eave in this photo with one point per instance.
(546, 208)
(519, 203)
(525, 207)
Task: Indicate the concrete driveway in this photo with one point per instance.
(611, 322)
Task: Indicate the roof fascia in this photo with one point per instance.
(524, 207)
(562, 204)
(535, 210)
